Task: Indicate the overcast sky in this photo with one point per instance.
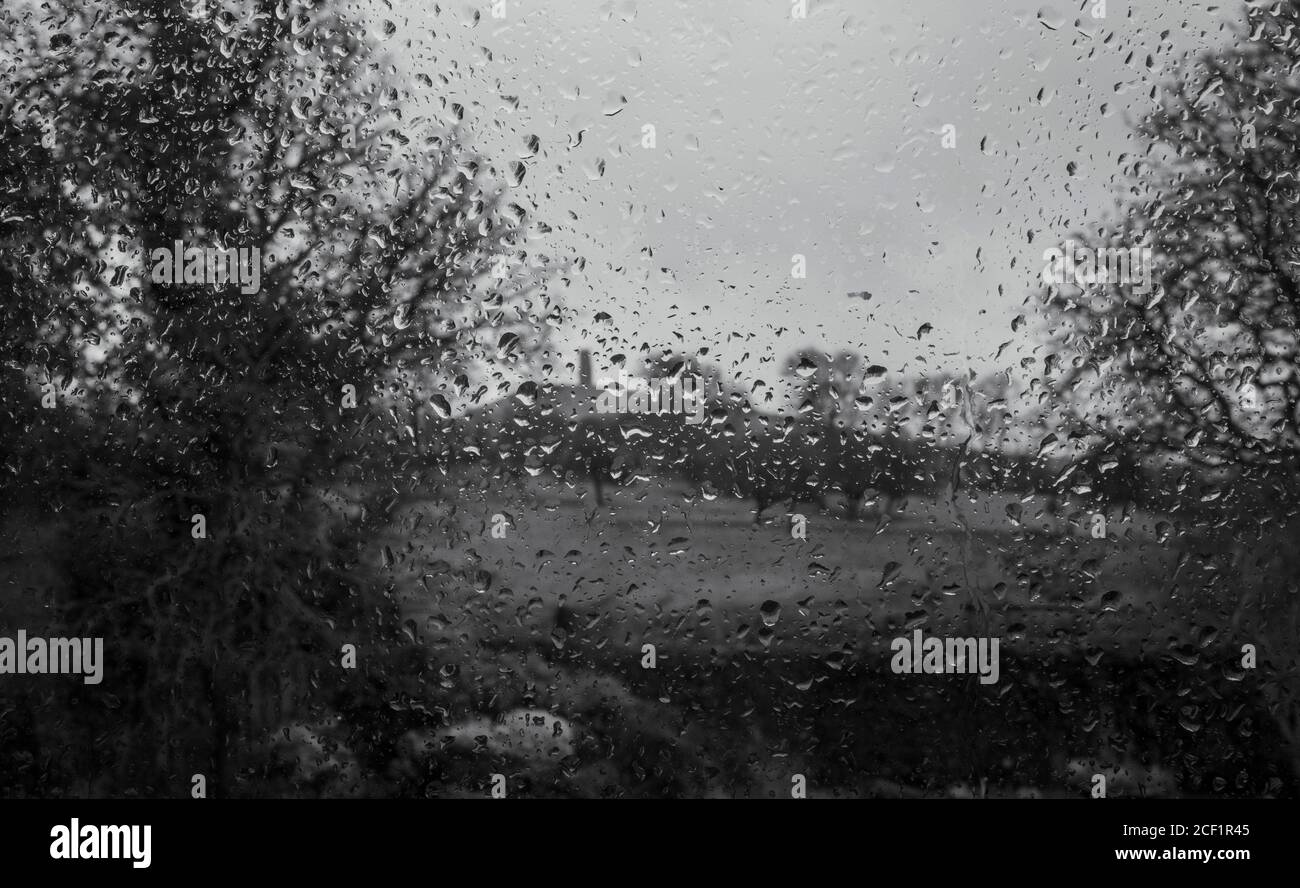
(821, 137)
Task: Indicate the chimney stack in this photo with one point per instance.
(584, 369)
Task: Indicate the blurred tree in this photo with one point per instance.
(1205, 363)
(824, 388)
(130, 126)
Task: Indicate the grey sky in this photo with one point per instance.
(820, 137)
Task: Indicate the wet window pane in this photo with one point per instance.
(628, 399)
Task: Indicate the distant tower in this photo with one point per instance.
(584, 369)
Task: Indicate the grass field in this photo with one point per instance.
(773, 651)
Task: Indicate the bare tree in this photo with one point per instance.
(1204, 365)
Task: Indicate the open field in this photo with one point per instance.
(760, 635)
(772, 653)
